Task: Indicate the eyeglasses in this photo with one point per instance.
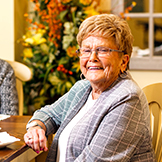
(100, 52)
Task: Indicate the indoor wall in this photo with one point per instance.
(13, 26)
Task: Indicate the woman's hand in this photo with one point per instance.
(36, 139)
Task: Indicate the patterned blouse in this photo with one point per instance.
(8, 92)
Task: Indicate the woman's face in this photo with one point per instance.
(102, 70)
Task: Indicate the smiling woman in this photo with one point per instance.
(99, 69)
(104, 117)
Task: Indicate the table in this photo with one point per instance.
(15, 126)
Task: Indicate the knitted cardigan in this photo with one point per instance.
(8, 92)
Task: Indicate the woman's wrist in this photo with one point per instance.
(36, 123)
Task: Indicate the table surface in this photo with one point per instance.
(15, 126)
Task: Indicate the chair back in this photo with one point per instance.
(23, 74)
(153, 94)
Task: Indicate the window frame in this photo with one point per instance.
(150, 62)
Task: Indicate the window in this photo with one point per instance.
(146, 26)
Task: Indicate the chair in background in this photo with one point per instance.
(153, 93)
(23, 74)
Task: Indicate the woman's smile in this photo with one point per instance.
(94, 68)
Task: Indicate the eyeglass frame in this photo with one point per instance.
(96, 52)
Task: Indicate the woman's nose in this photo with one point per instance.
(93, 56)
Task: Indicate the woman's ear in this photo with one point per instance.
(125, 60)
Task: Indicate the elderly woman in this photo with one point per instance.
(105, 116)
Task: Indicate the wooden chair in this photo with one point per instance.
(23, 74)
(153, 93)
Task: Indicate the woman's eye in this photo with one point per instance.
(86, 50)
(103, 50)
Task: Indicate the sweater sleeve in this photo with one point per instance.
(8, 91)
(53, 115)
